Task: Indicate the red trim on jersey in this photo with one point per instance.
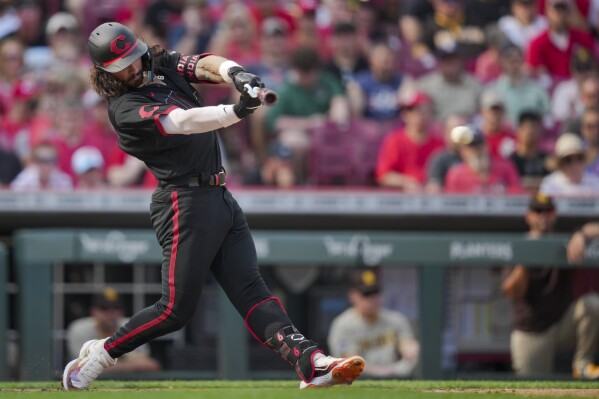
(171, 282)
(126, 53)
(159, 124)
(247, 316)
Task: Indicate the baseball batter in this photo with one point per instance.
(161, 119)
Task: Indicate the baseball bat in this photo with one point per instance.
(266, 96)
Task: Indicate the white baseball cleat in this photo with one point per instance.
(92, 360)
(331, 371)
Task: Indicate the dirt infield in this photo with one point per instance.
(583, 393)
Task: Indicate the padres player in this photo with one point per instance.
(383, 337)
(162, 120)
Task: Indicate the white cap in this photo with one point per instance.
(85, 159)
(490, 98)
(61, 20)
(568, 144)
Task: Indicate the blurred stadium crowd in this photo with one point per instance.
(370, 92)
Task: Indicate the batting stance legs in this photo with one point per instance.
(203, 229)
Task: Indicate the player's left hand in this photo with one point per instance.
(241, 77)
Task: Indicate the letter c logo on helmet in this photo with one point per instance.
(114, 45)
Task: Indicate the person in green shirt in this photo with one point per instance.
(310, 98)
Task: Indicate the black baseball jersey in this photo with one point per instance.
(135, 114)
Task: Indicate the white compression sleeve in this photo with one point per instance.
(223, 70)
(198, 120)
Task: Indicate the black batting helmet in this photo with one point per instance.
(113, 47)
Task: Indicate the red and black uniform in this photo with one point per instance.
(198, 223)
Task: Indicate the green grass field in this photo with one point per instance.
(362, 389)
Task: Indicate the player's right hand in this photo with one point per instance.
(246, 105)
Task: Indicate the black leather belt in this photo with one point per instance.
(205, 179)
(217, 179)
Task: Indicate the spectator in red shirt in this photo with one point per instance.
(235, 36)
(500, 138)
(479, 172)
(551, 51)
(404, 152)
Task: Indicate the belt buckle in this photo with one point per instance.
(220, 178)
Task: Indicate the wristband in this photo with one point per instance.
(223, 70)
(227, 115)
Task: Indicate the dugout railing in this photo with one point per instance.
(37, 250)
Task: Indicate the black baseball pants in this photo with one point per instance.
(200, 229)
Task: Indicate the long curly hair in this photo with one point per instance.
(107, 86)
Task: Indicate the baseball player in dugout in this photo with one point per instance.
(161, 119)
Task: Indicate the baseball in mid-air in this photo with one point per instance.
(461, 134)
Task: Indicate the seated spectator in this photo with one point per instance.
(571, 177)
(87, 163)
(277, 169)
(370, 26)
(275, 42)
(499, 136)
(532, 163)
(384, 338)
(9, 19)
(347, 59)
(590, 135)
(235, 36)
(106, 316)
(308, 33)
(16, 124)
(414, 13)
(11, 70)
(580, 13)
(98, 130)
(487, 66)
(374, 93)
(308, 99)
(523, 23)
(404, 153)
(195, 29)
(547, 319)
(452, 89)
(440, 162)
(10, 166)
(158, 18)
(264, 9)
(550, 52)
(479, 173)
(68, 133)
(565, 100)
(450, 24)
(588, 98)
(520, 93)
(43, 171)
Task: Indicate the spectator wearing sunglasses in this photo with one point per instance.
(571, 177)
(43, 172)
